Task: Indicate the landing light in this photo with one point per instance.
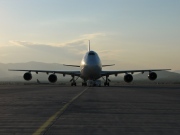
(82, 63)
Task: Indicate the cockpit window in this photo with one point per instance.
(91, 53)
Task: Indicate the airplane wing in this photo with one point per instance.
(107, 73)
(73, 73)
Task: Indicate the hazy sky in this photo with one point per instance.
(130, 33)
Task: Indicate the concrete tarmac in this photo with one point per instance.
(118, 110)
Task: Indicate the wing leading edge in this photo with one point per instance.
(73, 73)
(105, 73)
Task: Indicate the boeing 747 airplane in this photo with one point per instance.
(90, 71)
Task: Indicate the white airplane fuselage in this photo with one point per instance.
(91, 66)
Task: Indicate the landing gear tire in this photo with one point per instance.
(73, 84)
(106, 84)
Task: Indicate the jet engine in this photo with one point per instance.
(52, 78)
(27, 76)
(128, 78)
(152, 76)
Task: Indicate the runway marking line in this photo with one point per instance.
(54, 117)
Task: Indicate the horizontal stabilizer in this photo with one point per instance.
(71, 65)
(108, 65)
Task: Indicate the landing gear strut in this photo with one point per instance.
(106, 83)
(84, 83)
(73, 81)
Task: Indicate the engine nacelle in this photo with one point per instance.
(27, 76)
(128, 78)
(52, 78)
(152, 76)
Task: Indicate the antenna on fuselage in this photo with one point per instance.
(89, 46)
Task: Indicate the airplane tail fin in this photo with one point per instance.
(89, 46)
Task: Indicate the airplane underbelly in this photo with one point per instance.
(91, 73)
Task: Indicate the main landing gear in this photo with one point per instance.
(73, 84)
(106, 83)
(73, 81)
